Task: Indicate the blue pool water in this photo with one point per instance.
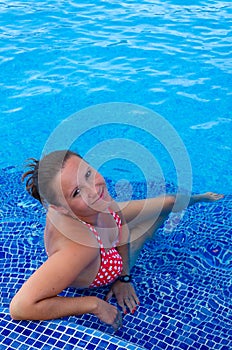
(174, 58)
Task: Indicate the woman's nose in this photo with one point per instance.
(91, 190)
(91, 193)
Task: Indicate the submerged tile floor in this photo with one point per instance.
(183, 279)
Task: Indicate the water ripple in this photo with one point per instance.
(163, 29)
(173, 55)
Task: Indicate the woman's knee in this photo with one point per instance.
(169, 202)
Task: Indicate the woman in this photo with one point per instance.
(87, 240)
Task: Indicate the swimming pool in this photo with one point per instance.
(60, 57)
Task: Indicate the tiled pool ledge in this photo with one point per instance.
(183, 279)
(58, 334)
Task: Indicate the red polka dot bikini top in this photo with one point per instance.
(111, 261)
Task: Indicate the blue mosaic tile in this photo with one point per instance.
(183, 279)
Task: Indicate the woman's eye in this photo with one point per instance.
(76, 192)
(88, 174)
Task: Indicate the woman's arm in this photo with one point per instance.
(124, 292)
(183, 201)
(38, 300)
(137, 211)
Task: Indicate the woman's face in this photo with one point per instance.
(82, 190)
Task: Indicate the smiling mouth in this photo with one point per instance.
(100, 196)
(102, 193)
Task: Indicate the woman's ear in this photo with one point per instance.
(59, 209)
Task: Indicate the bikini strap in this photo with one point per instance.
(92, 228)
(116, 218)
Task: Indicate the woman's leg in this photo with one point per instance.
(143, 218)
(137, 240)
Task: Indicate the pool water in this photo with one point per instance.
(174, 58)
(58, 57)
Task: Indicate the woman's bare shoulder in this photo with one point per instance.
(63, 231)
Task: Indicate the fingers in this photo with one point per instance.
(211, 196)
(125, 295)
(117, 322)
(131, 304)
(217, 196)
(128, 300)
(109, 295)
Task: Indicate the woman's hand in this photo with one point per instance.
(125, 295)
(109, 314)
(210, 197)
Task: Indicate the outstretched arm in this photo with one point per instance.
(203, 197)
(138, 211)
